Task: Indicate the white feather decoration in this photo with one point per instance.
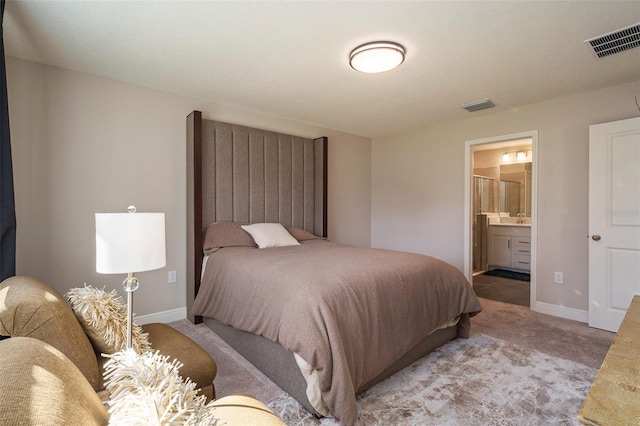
(146, 389)
(103, 315)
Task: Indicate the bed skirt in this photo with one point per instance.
(279, 364)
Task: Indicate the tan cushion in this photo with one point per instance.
(236, 410)
(41, 386)
(198, 365)
(32, 308)
(103, 316)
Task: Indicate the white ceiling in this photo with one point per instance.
(289, 58)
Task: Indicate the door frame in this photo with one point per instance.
(468, 203)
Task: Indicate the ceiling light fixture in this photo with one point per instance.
(377, 56)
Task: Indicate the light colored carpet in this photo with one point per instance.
(555, 336)
(518, 368)
(478, 381)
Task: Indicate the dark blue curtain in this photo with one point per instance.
(7, 200)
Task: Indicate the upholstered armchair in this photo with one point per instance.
(32, 308)
(52, 374)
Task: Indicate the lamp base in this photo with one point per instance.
(130, 284)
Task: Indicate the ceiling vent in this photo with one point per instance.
(615, 42)
(478, 105)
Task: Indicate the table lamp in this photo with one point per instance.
(127, 243)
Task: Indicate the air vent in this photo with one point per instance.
(615, 42)
(478, 105)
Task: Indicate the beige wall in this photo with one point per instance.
(84, 144)
(418, 185)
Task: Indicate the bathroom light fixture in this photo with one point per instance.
(377, 56)
(507, 157)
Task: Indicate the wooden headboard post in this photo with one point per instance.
(194, 210)
(241, 174)
(323, 144)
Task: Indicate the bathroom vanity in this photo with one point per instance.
(510, 246)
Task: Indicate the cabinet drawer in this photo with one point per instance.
(521, 250)
(521, 261)
(521, 241)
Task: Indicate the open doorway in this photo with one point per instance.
(500, 213)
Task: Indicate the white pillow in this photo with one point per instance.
(270, 235)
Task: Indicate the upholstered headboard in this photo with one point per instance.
(241, 174)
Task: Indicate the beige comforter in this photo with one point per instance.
(347, 311)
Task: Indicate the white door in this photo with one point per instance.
(614, 221)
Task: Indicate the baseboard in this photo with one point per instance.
(562, 312)
(165, 316)
(542, 307)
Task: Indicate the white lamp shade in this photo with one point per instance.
(129, 242)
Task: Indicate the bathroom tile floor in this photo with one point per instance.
(502, 289)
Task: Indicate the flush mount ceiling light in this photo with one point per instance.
(377, 56)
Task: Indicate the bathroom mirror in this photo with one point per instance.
(515, 189)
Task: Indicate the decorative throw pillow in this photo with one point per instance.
(146, 389)
(302, 235)
(270, 235)
(225, 234)
(104, 318)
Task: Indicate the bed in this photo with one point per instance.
(324, 321)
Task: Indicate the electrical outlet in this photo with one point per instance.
(558, 277)
(173, 277)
